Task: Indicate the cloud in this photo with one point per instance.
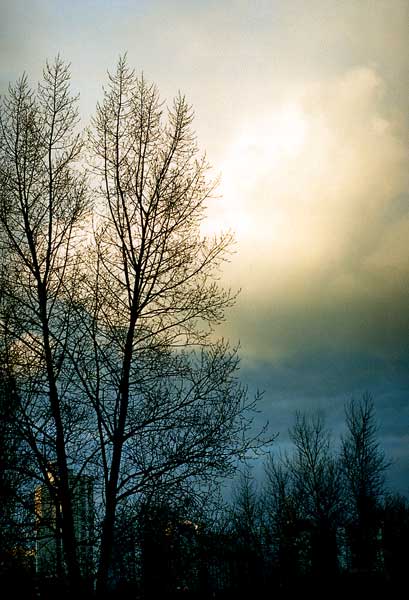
(303, 109)
(322, 259)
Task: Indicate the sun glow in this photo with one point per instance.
(263, 146)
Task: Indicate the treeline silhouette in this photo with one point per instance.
(321, 522)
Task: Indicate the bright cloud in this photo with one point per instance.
(311, 187)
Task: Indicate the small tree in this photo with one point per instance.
(363, 464)
(317, 487)
(248, 533)
(246, 513)
(283, 515)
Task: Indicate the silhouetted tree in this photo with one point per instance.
(246, 513)
(248, 532)
(363, 464)
(42, 200)
(283, 521)
(169, 408)
(316, 481)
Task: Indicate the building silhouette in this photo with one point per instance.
(49, 559)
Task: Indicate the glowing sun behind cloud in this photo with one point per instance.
(313, 192)
(263, 145)
(301, 183)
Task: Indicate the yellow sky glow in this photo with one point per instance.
(265, 144)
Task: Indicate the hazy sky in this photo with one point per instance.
(303, 110)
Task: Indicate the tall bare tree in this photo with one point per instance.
(169, 409)
(42, 200)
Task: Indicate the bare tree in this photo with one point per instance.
(247, 533)
(317, 486)
(363, 464)
(284, 519)
(169, 409)
(247, 513)
(42, 200)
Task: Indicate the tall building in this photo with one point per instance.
(49, 551)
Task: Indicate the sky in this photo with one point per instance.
(303, 111)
